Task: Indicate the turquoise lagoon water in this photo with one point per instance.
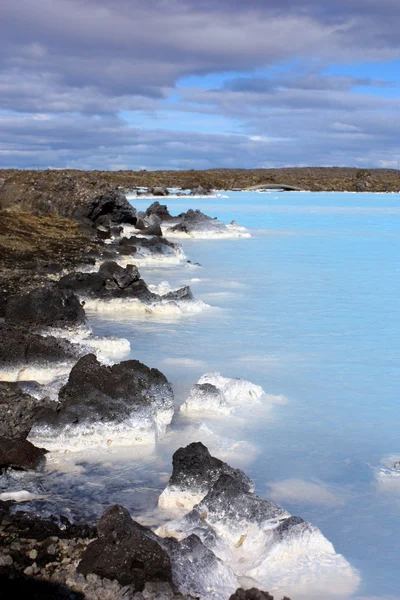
(309, 309)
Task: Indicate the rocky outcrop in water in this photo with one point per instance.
(21, 347)
(45, 307)
(97, 394)
(194, 472)
(113, 281)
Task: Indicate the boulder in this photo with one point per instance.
(111, 203)
(96, 394)
(17, 411)
(200, 191)
(21, 455)
(161, 210)
(126, 551)
(153, 230)
(158, 191)
(111, 281)
(197, 571)
(45, 307)
(20, 346)
(194, 472)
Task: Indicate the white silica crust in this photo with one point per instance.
(105, 347)
(133, 305)
(227, 395)
(42, 373)
(260, 553)
(139, 429)
(209, 230)
(175, 497)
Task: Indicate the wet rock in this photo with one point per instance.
(17, 411)
(200, 191)
(153, 230)
(197, 571)
(126, 551)
(20, 347)
(97, 393)
(20, 454)
(45, 307)
(156, 246)
(158, 191)
(161, 210)
(194, 473)
(111, 281)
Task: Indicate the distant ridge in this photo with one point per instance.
(303, 178)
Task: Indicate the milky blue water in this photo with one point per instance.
(309, 309)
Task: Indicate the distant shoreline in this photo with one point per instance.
(313, 179)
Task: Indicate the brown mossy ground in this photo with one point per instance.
(33, 249)
(305, 178)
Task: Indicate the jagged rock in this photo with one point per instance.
(252, 594)
(96, 394)
(111, 281)
(194, 472)
(153, 230)
(200, 191)
(158, 191)
(20, 454)
(17, 411)
(111, 203)
(45, 307)
(126, 551)
(197, 571)
(20, 347)
(161, 210)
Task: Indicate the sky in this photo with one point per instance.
(198, 84)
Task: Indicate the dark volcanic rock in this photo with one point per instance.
(158, 191)
(111, 281)
(17, 411)
(252, 594)
(98, 393)
(153, 230)
(161, 210)
(111, 203)
(200, 191)
(126, 551)
(45, 307)
(20, 454)
(20, 346)
(195, 469)
(183, 293)
(155, 246)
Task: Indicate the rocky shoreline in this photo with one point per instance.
(59, 253)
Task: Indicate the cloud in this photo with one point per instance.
(83, 63)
